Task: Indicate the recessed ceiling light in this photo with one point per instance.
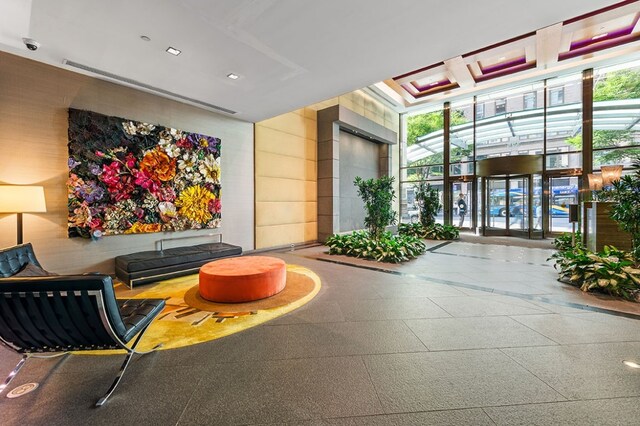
(631, 364)
(145, 38)
(233, 76)
(599, 36)
(173, 51)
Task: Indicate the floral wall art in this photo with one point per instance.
(128, 177)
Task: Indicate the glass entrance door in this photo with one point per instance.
(518, 212)
(496, 206)
(462, 206)
(509, 207)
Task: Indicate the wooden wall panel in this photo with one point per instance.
(34, 99)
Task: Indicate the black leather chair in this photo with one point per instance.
(57, 314)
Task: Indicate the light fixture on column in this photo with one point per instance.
(610, 174)
(595, 182)
(21, 199)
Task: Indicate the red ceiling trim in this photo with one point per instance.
(599, 46)
(438, 90)
(417, 71)
(512, 70)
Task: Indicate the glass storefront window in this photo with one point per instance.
(412, 174)
(616, 114)
(512, 128)
(461, 132)
(461, 169)
(610, 157)
(564, 119)
(516, 121)
(425, 139)
(409, 208)
(570, 160)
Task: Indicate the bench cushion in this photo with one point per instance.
(149, 260)
(150, 266)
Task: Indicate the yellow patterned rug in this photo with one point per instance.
(188, 319)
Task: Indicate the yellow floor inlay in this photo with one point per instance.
(189, 319)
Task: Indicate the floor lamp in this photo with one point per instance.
(21, 199)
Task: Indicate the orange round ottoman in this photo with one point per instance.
(242, 279)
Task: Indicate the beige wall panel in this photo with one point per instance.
(270, 213)
(311, 113)
(282, 187)
(280, 166)
(279, 189)
(277, 142)
(311, 191)
(311, 231)
(311, 211)
(292, 123)
(279, 235)
(311, 170)
(34, 99)
(311, 149)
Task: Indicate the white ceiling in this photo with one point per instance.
(289, 53)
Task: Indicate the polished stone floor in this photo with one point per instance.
(469, 334)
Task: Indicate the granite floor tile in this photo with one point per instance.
(471, 417)
(305, 340)
(583, 371)
(583, 328)
(603, 412)
(283, 391)
(411, 288)
(478, 306)
(144, 397)
(313, 312)
(391, 309)
(453, 380)
(474, 333)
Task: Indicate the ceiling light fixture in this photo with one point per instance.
(631, 364)
(599, 36)
(233, 76)
(502, 58)
(145, 38)
(173, 51)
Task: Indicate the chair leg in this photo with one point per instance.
(124, 366)
(13, 373)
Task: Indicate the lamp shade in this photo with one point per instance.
(610, 174)
(595, 182)
(22, 199)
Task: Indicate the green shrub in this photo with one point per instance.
(564, 241)
(434, 232)
(387, 248)
(611, 271)
(378, 195)
(625, 210)
(428, 201)
(442, 232)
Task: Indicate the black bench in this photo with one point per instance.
(148, 266)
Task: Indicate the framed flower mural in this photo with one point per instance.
(128, 177)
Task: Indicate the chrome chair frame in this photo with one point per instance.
(117, 342)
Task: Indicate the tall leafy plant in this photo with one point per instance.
(626, 208)
(378, 196)
(428, 200)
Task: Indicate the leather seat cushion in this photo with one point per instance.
(137, 314)
(13, 259)
(148, 260)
